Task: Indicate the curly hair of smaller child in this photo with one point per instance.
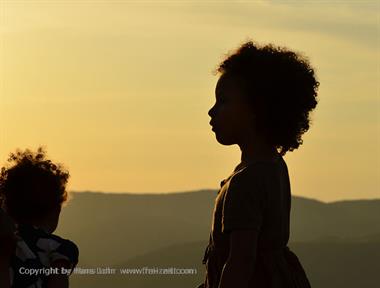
(31, 186)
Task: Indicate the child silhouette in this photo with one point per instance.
(263, 99)
(32, 191)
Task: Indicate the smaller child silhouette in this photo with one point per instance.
(32, 192)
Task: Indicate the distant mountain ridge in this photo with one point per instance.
(338, 243)
(102, 224)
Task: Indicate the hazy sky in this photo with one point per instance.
(119, 91)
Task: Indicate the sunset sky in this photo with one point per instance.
(119, 91)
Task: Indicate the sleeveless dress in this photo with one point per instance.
(258, 197)
(35, 251)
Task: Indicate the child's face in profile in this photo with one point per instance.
(231, 115)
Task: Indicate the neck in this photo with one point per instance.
(253, 150)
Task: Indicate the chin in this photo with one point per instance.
(224, 140)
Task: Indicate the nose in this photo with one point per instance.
(211, 112)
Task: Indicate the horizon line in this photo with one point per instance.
(212, 190)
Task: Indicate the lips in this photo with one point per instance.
(212, 124)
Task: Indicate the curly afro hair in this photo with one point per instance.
(282, 87)
(31, 186)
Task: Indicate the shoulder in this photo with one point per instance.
(65, 248)
(44, 240)
(53, 247)
(258, 172)
(64, 242)
(253, 174)
(244, 200)
(247, 185)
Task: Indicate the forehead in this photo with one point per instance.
(228, 84)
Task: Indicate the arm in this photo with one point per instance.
(241, 260)
(7, 246)
(242, 220)
(5, 280)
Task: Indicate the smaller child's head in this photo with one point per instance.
(33, 188)
(266, 89)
